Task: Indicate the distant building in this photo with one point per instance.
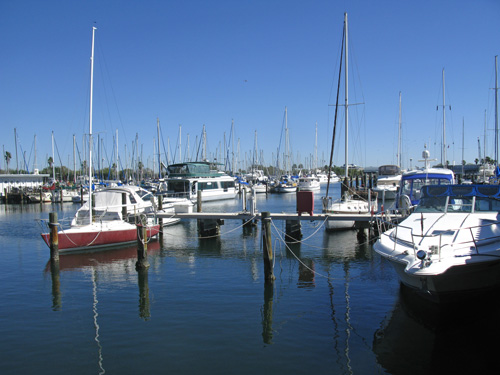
(8, 182)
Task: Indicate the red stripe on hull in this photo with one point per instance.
(77, 240)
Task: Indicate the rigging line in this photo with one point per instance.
(217, 235)
(314, 233)
(335, 118)
(101, 53)
(298, 259)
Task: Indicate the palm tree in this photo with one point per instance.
(7, 156)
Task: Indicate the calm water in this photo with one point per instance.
(203, 307)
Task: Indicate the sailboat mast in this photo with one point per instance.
(74, 160)
(316, 148)
(443, 160)
(34, 163)
(346, 101)
(463, 131)
(159, 153)
(399, 133)
(90, 123)
(53, 160)
(496, 110)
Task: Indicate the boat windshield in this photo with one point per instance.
(446, 204)
(412, 187)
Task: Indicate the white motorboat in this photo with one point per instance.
(388, 180)
(412, 182)
(309, 183)
(186, 179)
(450, 244)
(259, 188)
(323, 177)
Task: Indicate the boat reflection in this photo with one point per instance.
(420, 337)
(110, 258)
(111, 264)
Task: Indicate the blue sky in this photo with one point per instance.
(195, 63)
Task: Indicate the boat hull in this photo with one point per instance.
(456, 281)
(96, 236)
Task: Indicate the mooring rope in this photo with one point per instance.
(220, 234)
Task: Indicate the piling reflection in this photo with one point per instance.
(267, 313)
(56, 285)
(144, 305)
(113, 262)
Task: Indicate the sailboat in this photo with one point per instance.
(286, 184)
(110, 216)
(350, 202)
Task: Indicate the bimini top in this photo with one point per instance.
(456, 191)
(429, 173)
(192, 169)
(459, 198)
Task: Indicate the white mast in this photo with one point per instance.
(346, 101)
(90, 124)
(443, 160)
(159, 153)
(316, 148)
(463, 131)
(287, 158)
(399, 134)
(53, 160)
(116, 156)
(496, 110)
(34, 163)
(74, 160)
(180, 143)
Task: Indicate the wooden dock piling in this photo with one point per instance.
(142, 248)
(160, 220)
(293, 230)
(267, 247)
(54, 237)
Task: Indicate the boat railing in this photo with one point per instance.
(437, 241)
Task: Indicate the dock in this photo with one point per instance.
(245, 215)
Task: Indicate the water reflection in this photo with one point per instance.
(267, 313)
(114, 263)
(420, 337)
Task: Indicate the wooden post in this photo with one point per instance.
(293, 230)
(54, 238)
(81, 195)
(198, 201)
(267, 247)
(160, 220)
(142, 248)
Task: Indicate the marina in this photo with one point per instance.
(334, 307)
(323, 246)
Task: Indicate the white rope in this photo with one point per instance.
(220, 234)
